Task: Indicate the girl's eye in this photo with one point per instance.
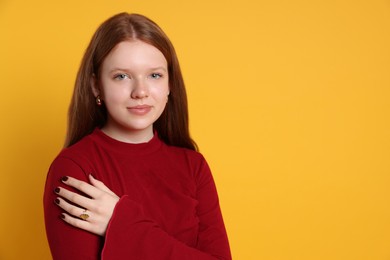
(121, 76)
(155, 75)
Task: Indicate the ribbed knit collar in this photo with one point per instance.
(109, 143)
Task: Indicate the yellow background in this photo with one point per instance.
(289, 102)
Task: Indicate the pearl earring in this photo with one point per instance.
(98, 101)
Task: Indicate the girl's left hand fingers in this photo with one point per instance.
(82, 224)
(81, 186)
(100, 185)
(74, 197)
(69, 208)
(99, 207)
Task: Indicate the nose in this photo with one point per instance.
(140, 90)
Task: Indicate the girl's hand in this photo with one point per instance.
(91, 214)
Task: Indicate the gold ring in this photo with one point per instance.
(84, 215)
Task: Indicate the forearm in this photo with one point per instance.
(132, 235)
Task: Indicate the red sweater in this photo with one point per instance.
(168, 207)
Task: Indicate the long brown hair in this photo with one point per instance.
(84, 115)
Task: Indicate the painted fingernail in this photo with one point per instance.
(57, 201)
(65, 178)
(62, 216)
(57, 190)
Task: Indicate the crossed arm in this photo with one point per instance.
(119, 228)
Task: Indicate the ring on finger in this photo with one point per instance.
(84, 215)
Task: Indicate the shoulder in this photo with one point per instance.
(194, 160)
(78, 149)
(75, 155)
(184, 152)
(72, 161)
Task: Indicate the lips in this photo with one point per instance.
(139, 110)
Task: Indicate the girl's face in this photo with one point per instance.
(133, 85)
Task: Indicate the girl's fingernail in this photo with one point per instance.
(62, 216)
(57, 201)
(57, 190)
(64, 179)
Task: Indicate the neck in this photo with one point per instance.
(129, 136)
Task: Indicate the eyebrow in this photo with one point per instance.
(159, 68)
(127, 70)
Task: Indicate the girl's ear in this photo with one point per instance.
(95, 86)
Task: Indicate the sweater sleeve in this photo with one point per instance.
(65, 241)
(132, 235)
